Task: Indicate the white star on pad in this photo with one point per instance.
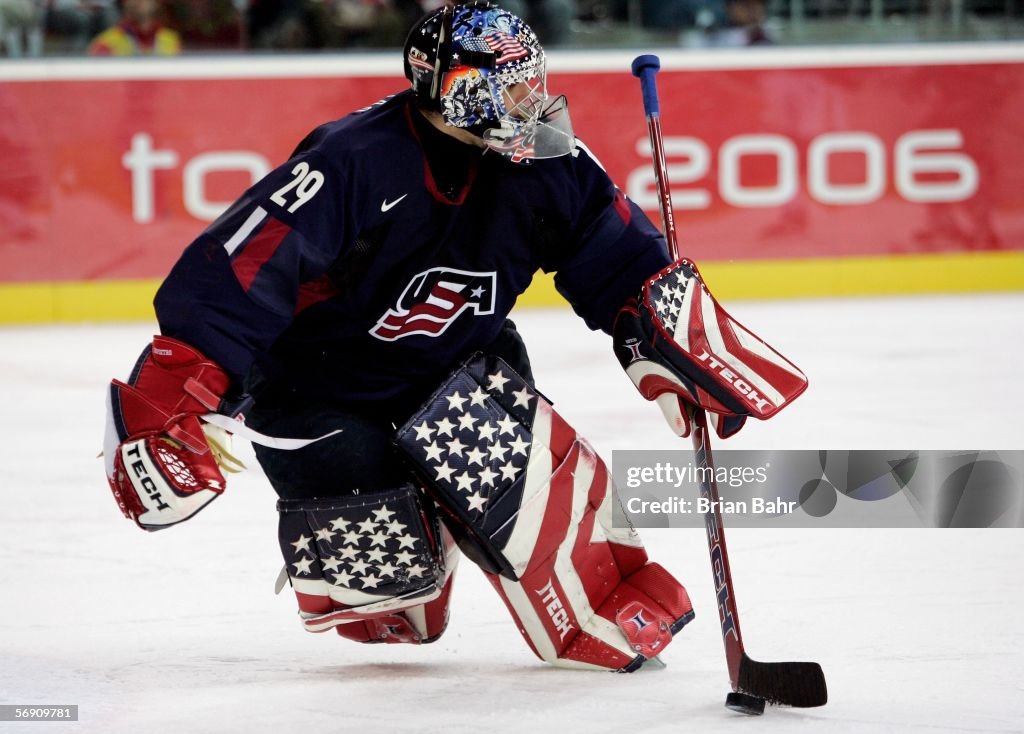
(423, 432)
(395, 527)
(487, 476)
(507, 425)
(387, 569)
(370, 582)
(366, 526)
(455, 401)
(519, 446)
(417, 570)
(478, 397)
(376, 555)
(465, 482)
(348, 553)
(466, 421)
(444, 472)
(434, 452)
(406, 541)
(523, 397)
(455, 447)
(476, 502)
(344, 578)
(379, 538)
(444, 427)
(339, 524)
(302, 544)
(475, 456)
(359, 566)
(383, 514)
(352, 537)
(324, 534)
(497, 451)
(302, 566)
(508, 471)
(331, 563)
(486, 431)
(404, 557)
(496, 382)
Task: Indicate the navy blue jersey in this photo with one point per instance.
(352, 273)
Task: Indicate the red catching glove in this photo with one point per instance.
(159, 460)
(681, 349)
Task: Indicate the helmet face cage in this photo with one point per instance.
(493, 83)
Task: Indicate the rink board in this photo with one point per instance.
(766, 279)
(794, 172)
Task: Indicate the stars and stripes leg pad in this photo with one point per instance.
(531, 502)
(416, 625)
(367, 556)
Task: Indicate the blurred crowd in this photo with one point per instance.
(168, 27)
(165, 27)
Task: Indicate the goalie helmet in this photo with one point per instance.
(484, 71)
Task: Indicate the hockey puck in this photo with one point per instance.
(743, 703)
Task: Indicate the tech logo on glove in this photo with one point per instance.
(433, 300)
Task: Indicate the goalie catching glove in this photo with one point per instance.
(162, 462)
(682, 350)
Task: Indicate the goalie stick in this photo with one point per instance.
(754, 683)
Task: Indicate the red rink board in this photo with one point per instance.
(107, 179)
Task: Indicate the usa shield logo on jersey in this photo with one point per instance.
(433, 300)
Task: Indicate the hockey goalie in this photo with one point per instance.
(353, 305)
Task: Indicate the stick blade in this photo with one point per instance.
(801, 685)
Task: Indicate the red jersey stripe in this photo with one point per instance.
(258, 250)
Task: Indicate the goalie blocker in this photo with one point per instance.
(163, 463)
(682, 350)
(531, 503)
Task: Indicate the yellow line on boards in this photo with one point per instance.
(848, 276)
(127, 300)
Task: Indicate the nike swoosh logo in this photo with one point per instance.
(389, 205)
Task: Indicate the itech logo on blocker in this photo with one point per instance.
(433, 300)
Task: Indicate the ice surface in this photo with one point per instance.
(179, 631)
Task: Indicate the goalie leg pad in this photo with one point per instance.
(531, 502)
(365, 557)
(418, 625)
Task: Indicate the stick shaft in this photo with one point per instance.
(645, 68)
(728, 615)
(664, 193)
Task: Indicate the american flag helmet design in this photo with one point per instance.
(464, 60)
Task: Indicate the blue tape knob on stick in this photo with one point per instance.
(644, 68)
